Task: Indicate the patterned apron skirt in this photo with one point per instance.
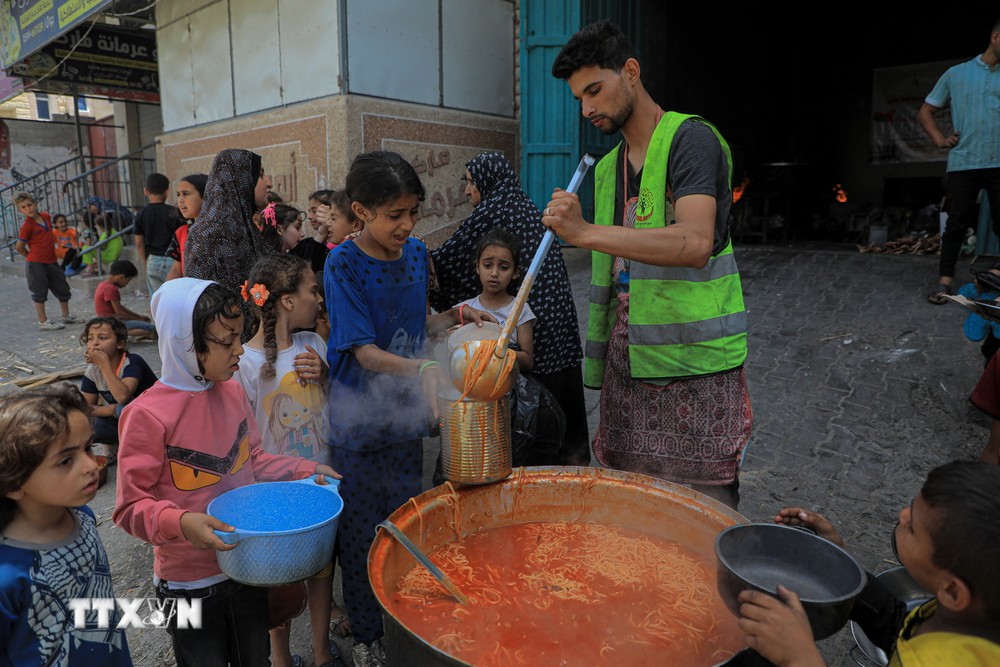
(692, 430)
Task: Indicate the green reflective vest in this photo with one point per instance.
(683, 322)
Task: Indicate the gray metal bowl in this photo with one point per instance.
(901, 584)
(761, 556)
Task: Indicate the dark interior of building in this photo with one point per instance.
(792, 93)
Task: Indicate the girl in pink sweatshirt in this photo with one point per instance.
(187, 439)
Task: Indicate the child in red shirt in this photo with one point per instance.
(36, 244)
(108, 300)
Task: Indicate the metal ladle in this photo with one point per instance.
(495, 380)
(422, 558)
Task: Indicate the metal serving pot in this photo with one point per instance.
(599, 495)
(762, 556)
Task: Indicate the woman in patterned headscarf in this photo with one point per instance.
(499, 201)
(118, 216)
(223, 243)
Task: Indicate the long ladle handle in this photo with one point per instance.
(536, 264)
(424, 560)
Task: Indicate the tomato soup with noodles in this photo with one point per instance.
(570, 594)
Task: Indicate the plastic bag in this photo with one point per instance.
(538, 425)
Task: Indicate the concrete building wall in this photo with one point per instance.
(431, 79)
(309, 146)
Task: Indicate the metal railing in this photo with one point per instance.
(119, 179)
(100, 244)
(47, 189)
(64, 188)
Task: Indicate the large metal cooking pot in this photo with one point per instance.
(600, 495)
(762, 556)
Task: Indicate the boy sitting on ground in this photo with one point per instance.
(948, 539)
(108, 300)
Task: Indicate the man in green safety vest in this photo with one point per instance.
(667, 333)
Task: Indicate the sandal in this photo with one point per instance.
(937, 297)
(340, 626)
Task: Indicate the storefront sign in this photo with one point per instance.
(28, 25)
(101, 57)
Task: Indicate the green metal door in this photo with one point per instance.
(553, 138)
(550, 126)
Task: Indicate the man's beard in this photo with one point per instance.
(620, 118)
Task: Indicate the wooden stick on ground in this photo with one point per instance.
(48, 378)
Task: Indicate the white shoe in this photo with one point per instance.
(368, 655)
(50, 326)
(71, 319)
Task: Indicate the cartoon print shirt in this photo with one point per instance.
(183, 442)
(384, 303)
(291, 414)
(36, 584)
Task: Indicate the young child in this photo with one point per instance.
(976, 328)
(284, 377)
(949, 541)
(113, 375)
(190, 191)
(154, 228)
(382, 393)
(108, 300)
(189, 438)
(312, 245)
(67, 242)
(50, 549)
(340, 219)
(37, 245)
(498, 264)
(281, 226)
(315, 201)
(109, 252)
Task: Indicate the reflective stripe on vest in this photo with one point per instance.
(682, 321)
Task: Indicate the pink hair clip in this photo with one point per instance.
(269, 215)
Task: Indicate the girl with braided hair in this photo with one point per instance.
(284, 377)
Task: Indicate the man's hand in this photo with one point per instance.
(563, 215)
(948, 142)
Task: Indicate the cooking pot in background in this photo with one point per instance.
(901, 584)
(763, 556)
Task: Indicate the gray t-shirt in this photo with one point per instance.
(697, 166)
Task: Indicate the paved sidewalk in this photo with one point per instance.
(859, 388)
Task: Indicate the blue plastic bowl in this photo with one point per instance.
(284, 530)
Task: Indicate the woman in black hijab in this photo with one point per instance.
(499, 201)
(223, 243)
